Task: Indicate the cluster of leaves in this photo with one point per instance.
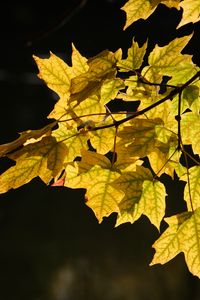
(88, 146)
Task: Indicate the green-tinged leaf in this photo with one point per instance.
(55, 72)
(141, 197)
(134, 59)
(175, 105)
(24, 137)
(184, 74)
(137, 9)
(152, 202)
(190, 94)
(44, 159)
(190, 130)
(191, 12)
(182, 235)
(131, 184)
(169, 243)
(168, 60)
(101, 197)
(189, 100)
(192, 191)
(110, 89)
(74, 139)
(167, 129)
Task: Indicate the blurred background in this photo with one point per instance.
(51, 246)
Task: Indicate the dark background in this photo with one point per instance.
(51, 246)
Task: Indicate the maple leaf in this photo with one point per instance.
(168, 60)
(167, 89)
(190, 133)
(103, 140)
(191, 12)
(142, 196)
(44, 159)
(55, 72)
(139, 138)
(137, 9)
(191, 191)
(110, 89)
(134, 59)
(101, 67)
(182, 235)
(142, 9)
(74, 140)
(96, 178)
(24, 137)
(79, 62)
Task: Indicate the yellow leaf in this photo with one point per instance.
(101, 67)
(171, 3)
(134, 59)
(74, 140)
(169, 243)
(24, 137)
(101, 197)
(152, 202)
(168, 59)
(190, 130)
(55, 72)
(165, 159)
(89, 159)
(110, 89)
(192, 192)
(182, 235)
(137, 9)
(131, 184)
(191, 12)
(139, 138)
(79, 62)
(44, 159)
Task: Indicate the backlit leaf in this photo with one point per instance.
(152, 202)
(190, 130)
(74, 140)
(103, 140)
(79, 62)
(136, 9)
(109, 89)
(169, 243)
(182, 235)
(139, 138)
(192, 192)
(191, 12)
(134, 59)
(24, 137)
(168, 59)
(101, 197)
(55, 72)
(44, 159)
